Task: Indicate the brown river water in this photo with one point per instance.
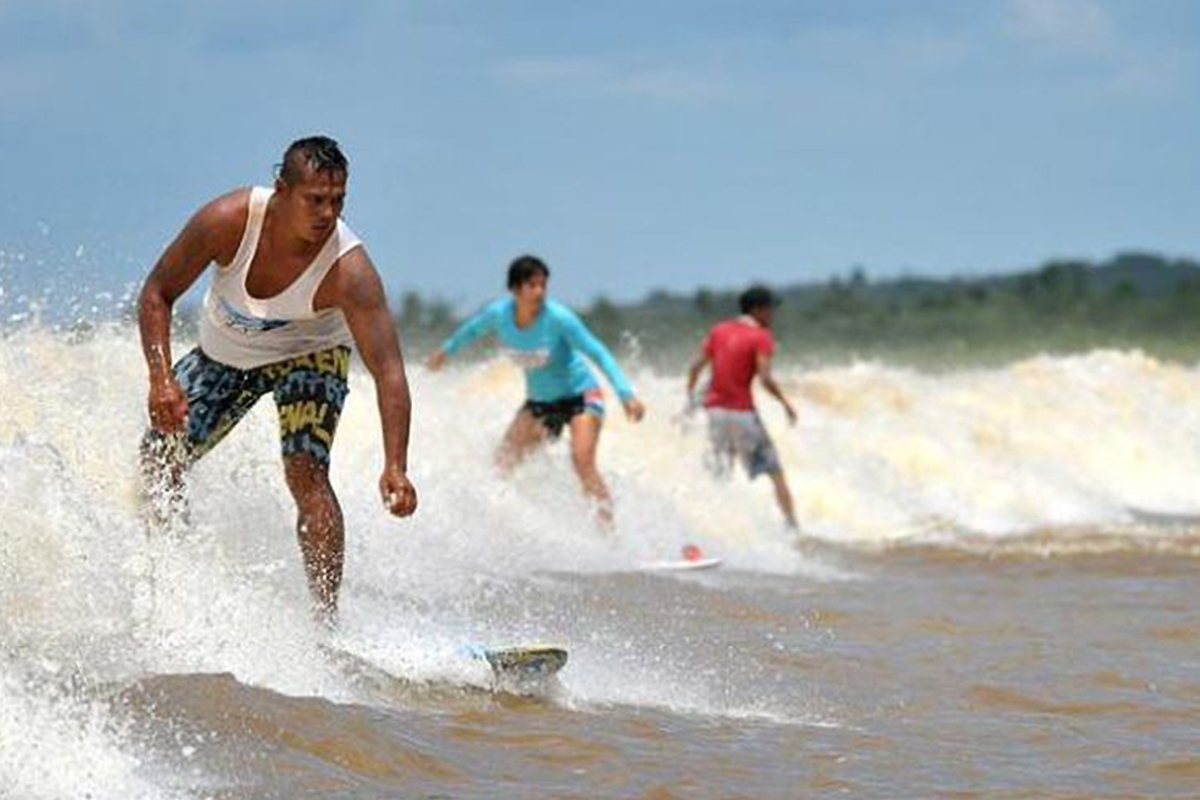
(923, 676)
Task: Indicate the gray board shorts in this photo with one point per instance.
(740, 436)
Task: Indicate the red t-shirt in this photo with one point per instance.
(733, 346)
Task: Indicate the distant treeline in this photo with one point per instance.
(1132, 300)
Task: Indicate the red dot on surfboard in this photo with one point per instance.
(691, 552)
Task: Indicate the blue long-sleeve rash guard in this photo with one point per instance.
(548, 350)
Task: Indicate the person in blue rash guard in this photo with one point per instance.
(546, 338)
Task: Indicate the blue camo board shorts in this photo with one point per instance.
(309, 392)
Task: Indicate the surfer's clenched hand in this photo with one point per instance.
(168, 405)
(634, 409)
(437, 360)
(398, 493)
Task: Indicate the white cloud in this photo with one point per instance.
(1126, 68)
(1166, 75)
(669, 84)
(611, 78)
(892, 50)
(1076, 26)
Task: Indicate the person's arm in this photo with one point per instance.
(483, 322)
(586, 342)
(204, 238)
(360, 295)
(698, 364)
(762, 360)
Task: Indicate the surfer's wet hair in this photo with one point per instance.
(525, 267)
(316, 153)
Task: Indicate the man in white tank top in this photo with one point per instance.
(292, 289)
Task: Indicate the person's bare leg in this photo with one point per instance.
(585, 437)
(784, 497)
(321, 531)
(524, 435)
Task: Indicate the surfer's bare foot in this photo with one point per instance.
(604, 517)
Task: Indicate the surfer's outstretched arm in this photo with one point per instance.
(586, 342)
(362, 299)
(481, 324)
(211, 233)
(763, 369)
(698, 364)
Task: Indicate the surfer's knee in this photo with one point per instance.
(306, 477)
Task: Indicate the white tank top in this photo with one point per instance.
(247, 332)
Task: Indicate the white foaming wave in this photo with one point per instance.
(880, 455)
(538, 519)
(1067, 442)
(55, 747)
(85, 588)
(648, 677)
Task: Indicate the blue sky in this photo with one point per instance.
(633, 145)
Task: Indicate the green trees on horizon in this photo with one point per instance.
(1132, 300)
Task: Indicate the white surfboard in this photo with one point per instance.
(680, 565)
(521, 662)
(519, 666)
(691, 557)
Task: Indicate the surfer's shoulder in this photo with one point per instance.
(222, 220)
(498, 309)
(560, 313)
(230, 208)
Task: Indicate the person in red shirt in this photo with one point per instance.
(739, 349)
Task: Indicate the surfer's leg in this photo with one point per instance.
(321, 530)
(309, 394)
(761, 458)
(722, 443)
(784, 498)
(524, 435)
(585, 436)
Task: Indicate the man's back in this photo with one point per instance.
(733, 346)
